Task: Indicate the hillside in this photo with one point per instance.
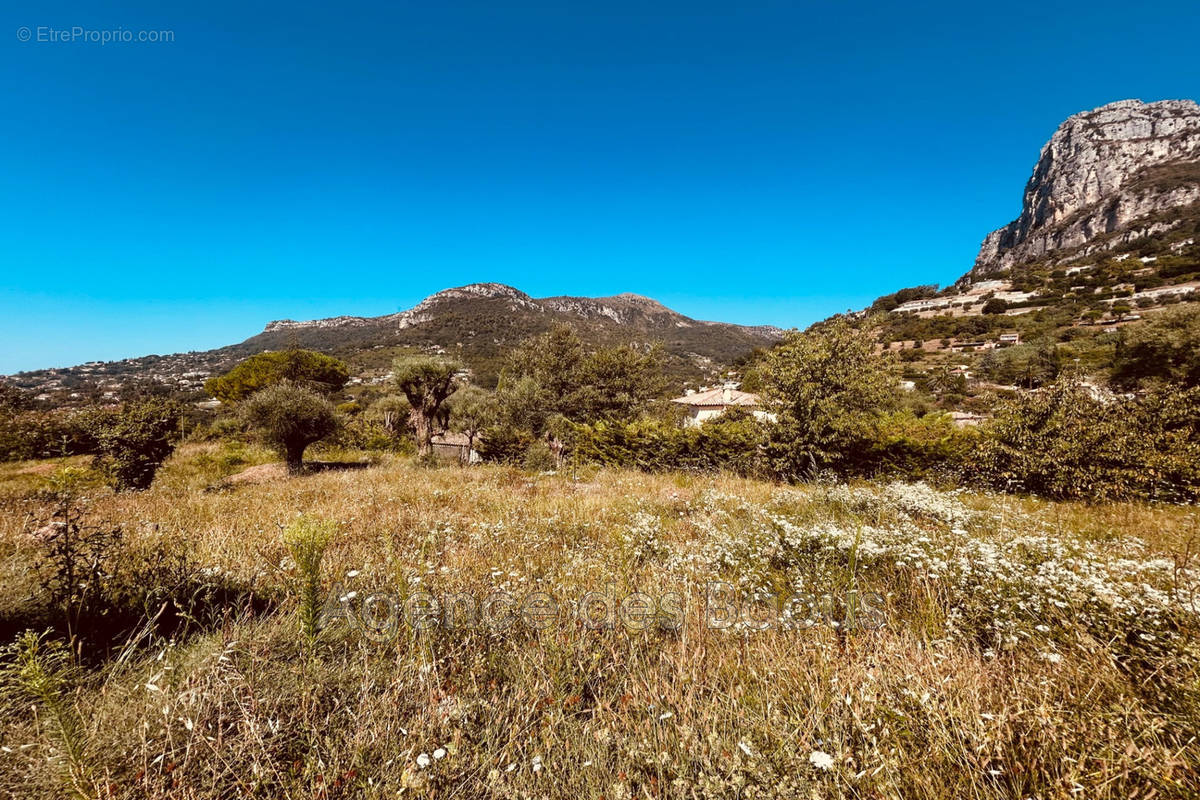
(1106, 239)
(477, 323)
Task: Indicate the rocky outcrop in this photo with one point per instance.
(1106, 176)
(420, 313)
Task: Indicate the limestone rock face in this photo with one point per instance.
(1105, 177)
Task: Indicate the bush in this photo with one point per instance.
(506, 444)
(733, 442)
(538, 458)
(43, 434)
(826, 385)
(40, 668)
(369, 434)
(904, 445)
(133, 442)
(306, 540)
(1166, 347)
(1065, 443)
(222, 429)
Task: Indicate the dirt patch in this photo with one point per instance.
(262, 473)
(37, 469)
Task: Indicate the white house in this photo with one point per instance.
(709, 403)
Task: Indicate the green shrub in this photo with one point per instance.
(904, 445)
(229, 427)
(538, 457)
(826, 385)
(1166, 347)
(1064, 442)
(367, 433)
(306, 540)
(506, 444)
(40, 669)
(132, 442)
(732, 442)
(30, 434)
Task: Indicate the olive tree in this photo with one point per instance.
(426, 381)
(290, 418)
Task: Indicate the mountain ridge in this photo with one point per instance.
(476, 323)
(616, 307)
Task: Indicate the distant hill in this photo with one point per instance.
(477, 323)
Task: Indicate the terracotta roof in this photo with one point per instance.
(719, 397)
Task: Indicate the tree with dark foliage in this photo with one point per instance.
(133, 442)
(315, 371)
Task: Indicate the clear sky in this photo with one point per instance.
(754, 162)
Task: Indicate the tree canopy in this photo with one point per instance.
(553, 375)
(1165, 347)
(132, 442)
(307, 368)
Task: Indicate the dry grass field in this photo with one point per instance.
(869, 641)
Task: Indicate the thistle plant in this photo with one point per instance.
(39, 669)
(307, 539)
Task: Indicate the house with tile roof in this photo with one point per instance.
(707, 404)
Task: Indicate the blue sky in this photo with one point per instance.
(755, 162)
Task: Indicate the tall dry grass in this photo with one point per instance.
(959, 694)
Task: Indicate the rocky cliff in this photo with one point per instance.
(1106, 177)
